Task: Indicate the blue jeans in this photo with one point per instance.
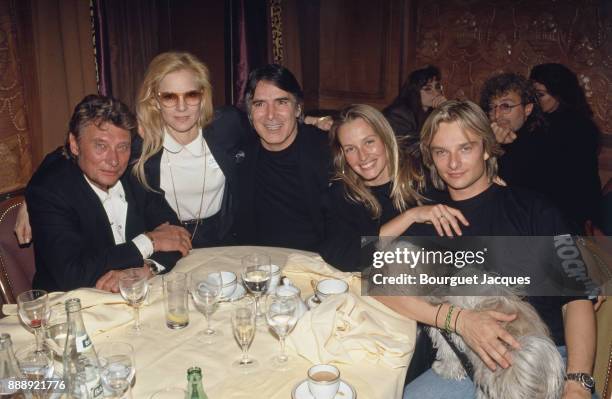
(430, 385)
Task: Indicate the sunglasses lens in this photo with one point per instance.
(168, 99)
(193, 97)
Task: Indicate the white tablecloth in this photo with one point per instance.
(163, 355)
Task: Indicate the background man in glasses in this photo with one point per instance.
(516, 118)
(89, 219)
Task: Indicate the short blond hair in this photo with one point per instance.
(470, 117)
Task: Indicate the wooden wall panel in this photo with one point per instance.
(15, 147)
(359, 52)
(469, 41)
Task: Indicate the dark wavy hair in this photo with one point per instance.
(99, 110)
(280, 77)
(503, 83)
(562, 84)
(410, 93)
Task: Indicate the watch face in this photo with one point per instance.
(587, 380)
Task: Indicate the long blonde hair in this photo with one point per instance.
(404, 180)
(150, 121)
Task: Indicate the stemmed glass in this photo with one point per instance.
(133, 286)
(243, 325)
(117, 368)
(205, 290)
(282, 316)
(256, 275)
(34, 311)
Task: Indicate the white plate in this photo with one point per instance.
(310, 301)
(301, 391)
(238, 294)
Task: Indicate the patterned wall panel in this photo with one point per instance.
(15, 148)
(472, 39)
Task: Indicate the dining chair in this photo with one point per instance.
(16, 262)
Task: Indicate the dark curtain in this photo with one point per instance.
(249, 42)
(127, 38)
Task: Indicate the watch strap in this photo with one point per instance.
(586, 380)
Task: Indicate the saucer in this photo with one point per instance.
(310, 301)
(301, 391)
(236, 295)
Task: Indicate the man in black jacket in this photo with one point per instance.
(89, 219)
(286, 169)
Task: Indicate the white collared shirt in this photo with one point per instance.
(116, 208)
(185, 165)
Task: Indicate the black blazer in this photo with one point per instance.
(314, 162)
(224, 136)
(74, 240)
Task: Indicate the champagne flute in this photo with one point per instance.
(117, 368)
(281, 315)
(133, 286)
(33, 308)
(243, 325)
(256, 275)
(205, 290)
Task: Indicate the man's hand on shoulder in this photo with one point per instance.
(167, 237)
(110, 280)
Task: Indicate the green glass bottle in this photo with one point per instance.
(195, 390)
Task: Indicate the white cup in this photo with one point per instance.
(323, 381)
(330, 286)
(229, 283)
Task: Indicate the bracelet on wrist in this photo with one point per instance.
(457, 318)
(449, 316)
(437, 313)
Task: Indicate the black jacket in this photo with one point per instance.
(314, 162)
(74, 240)
(224, 136)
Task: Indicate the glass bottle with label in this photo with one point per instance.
(81, 366)
(9, 369)
(195, 390)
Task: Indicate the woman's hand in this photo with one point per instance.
(22, 228)
(484, 334)
(444, 218)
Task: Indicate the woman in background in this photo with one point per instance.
(421, 93)
(572, 141)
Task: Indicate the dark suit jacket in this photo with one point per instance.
(224, 136)
(74, 241)
(314, 162)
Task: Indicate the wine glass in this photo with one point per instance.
(133, 286)
(205, 290)
(243, 325)
(256, 275)
(34, 311)
(281, 315)
(117, 368)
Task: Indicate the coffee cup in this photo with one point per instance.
(330, 286)
(323, 381)
(229, 283)
(176, 302)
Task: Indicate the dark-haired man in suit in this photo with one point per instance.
(89, 220)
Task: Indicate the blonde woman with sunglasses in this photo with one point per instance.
(188, 151)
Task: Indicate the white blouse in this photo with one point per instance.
(184, 171)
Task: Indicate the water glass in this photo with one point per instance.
(175, 300)
(282, 315)
(117, 368)
(133, 286)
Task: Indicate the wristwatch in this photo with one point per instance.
(153, 267)
(585, 379)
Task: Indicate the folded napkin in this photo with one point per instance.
(102, 310)
(307, 267)
(349, 329)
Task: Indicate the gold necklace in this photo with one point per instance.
(178, 211)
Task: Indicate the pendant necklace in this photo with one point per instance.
(178, 211)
